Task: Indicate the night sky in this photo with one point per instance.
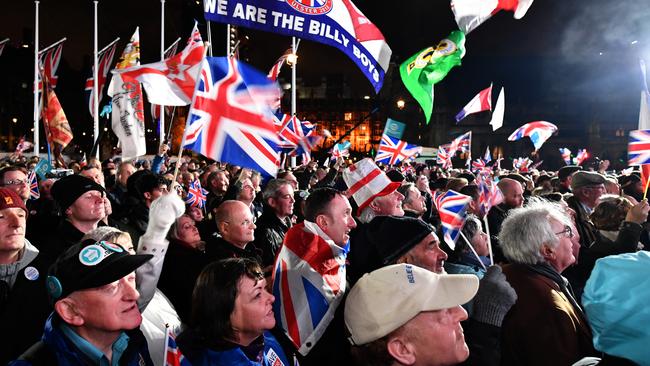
(567, 62)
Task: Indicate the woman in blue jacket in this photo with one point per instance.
(231, 317)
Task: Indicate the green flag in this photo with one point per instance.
(429, 66)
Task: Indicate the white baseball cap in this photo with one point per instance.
(386, 299)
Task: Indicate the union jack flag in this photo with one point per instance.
(33, 186)
(538, 132)
(23, 145)
(443, 157)
(196, 195)
(478, 164)
(489, 193)
(49, 63)
(462, 143)
(173, 355)
(566, 155)
(104, 63)
(451, 207)
(583, 155)
(341, 149)
(638, 148)
(230, 120)
(275, 70)
(521, 164)
(392, 150)
(308, 284)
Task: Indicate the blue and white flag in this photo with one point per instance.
(336, 23)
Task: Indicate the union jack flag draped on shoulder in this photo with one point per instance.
(451, 207)
(196, 195)
(230, 119)
(391, 150)
(308, 284)
(638, 148)
(34, 193)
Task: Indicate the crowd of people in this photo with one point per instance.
(125, 263)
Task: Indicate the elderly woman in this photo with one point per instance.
(185, 259)
(232, 314)
(546, 325)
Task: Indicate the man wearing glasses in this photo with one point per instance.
(15, 178)
(587, 188)
(236, 230)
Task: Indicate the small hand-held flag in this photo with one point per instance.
(392, 151)
(196, 195)
(33, 186)
(451, 207)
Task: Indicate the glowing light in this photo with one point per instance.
(401, 104)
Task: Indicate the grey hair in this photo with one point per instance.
(105, 233)
(525, 230)
(273, 187)
(367, 214)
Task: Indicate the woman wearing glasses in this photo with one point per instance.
(546, 325)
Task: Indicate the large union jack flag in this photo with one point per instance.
(104, 63)
(638, 148)
(308, 284)
(451, 207)
(196, 195)
(538, 132)
(392, 150)
(230, 119)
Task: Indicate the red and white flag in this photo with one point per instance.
(472, 13)
(275, 70)
(171, 81)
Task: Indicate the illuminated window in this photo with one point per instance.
(347, 116)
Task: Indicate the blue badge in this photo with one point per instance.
(111, 247)
(54, 287)
(91, 255)
(31, 273)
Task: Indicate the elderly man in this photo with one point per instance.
(413, 203)
(418, 322)
(82, 204)
(546, 325)
(587, 189)
(236, 226)
(513, 197)
(275, 219)
(23, 299)
(217, 186)
(96, 317)
(311, 262)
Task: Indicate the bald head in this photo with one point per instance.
(513, 192)
(235, 223)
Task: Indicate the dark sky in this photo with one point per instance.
(573, 60)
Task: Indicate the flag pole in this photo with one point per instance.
(50, 46)
(172, 45)
(162, 57)
(95, 82)
(36, 90)
(472, 249)
(294, 49)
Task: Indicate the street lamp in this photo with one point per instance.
(292, 59)
(400, 103)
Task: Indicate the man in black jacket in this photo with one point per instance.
(275, 219)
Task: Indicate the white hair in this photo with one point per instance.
(528, 228)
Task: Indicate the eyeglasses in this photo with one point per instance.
(568, 232)
(16, 182)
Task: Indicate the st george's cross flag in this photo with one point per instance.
(451, 206)
(481, 102)
(308, 284)
(173, 80)
(538, 132)
(470, 14)
(638, 148)
(230, 119)
(391, 151)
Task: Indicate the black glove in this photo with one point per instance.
(494, 298)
